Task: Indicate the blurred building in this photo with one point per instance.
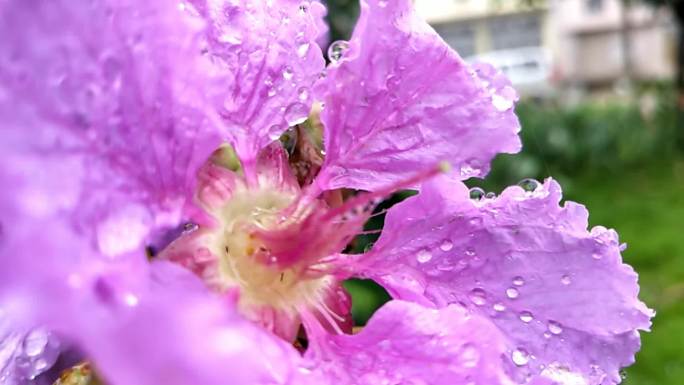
(543, 45)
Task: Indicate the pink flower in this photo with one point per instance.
(128, 124)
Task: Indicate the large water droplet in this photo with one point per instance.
(303, 49)
(337, 49)
(423, 256)
(288, 73)
(304, 7)
(296, 113)
(446, 245)
(501, 103)
(520, 357)
(303, 94)
(529, 184)
(477, 193)
(35, 342)
(512, 293)
(518, 281)
(555, 327)
(526, 316)
(478, 297)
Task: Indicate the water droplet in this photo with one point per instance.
(520, 357)
(512, 293)
(189, 227)
(470, 252)
(337, 49)
(469, 355)
(526, 317)
(304, 7)
(476, 193)
(499, 307)
(230, 37)
(596, 256)
(424, 256)
(446, 245)
(271, 92)
(490, 195)
(303, 49)
(35, 342)
(566, 280)
(555, 327)
(296, 113)
(303, 94)
(529, 184)
(478, 297)
(501, 103)
(288, 73)
(518, 281)
(131, 299)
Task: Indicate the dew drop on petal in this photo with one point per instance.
(499, 307)
(518, 281)
(512, 293)
(470, 252)
(478, 297)
(596, 256)
(477, 193)
(501, 103)
(288, 73)
(566, 280)
(526, 317)
(303, 49)
(446, 245)
(529, 184)
(35, 342)
(520, 357)
(303, 94)
(337, 49)
(423, 256)
(555, 327)
(304, 7)
(296, 113)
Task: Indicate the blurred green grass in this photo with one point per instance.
(646, 206)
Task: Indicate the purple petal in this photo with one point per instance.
(560, 293)
(268, 53)
(25, 354)
(101, 113)
(142, 324)
(399, 100)
(408, 343)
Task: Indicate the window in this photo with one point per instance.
(515, 31)
(594, 6)
(460, 36)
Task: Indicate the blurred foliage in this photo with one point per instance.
(590, 137)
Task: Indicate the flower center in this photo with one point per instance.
(268, 292)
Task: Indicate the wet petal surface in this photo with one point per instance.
(560, 293)
(386, 117)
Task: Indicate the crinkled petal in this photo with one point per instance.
(400, 100)
(139, 323)
(268, 53)
(101, 113)
(560, 293)
(408, 343)
(25, 354)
